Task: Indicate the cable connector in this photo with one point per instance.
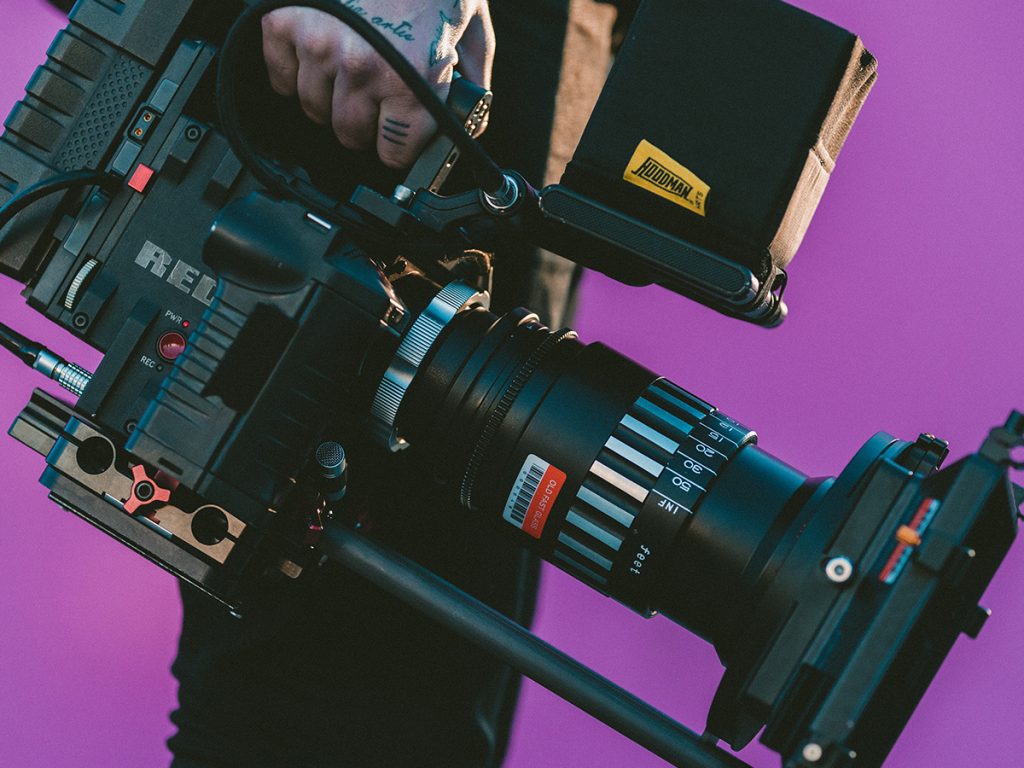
(74, 378)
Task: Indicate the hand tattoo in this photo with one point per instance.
(437, 55)
(400, 29)
(394, 131)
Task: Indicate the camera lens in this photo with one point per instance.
(621, 478)
(652, 496)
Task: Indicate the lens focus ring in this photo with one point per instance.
(508, 398)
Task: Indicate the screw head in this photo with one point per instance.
(144, 491)
(839, 570)
(812, 752)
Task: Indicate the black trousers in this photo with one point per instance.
(328, 671)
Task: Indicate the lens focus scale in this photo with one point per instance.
(640, 492)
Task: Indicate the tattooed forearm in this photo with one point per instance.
(400, 29)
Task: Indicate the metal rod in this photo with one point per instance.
(508, 641)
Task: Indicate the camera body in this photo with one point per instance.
(123, 272)
(236, 329)
(219, 389)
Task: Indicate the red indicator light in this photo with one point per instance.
(185, 323)
(170, 346)
(140, 179)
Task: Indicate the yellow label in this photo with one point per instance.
(653, 170)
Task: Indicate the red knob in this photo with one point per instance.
(144, 491)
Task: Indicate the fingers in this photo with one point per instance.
(316, 89)
(300, 48)
(313, 56)
(403, 130)
(279, 52)
(354, 115)
(476, 49)
(342, 82)
(319, 48)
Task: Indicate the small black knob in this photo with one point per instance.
(333, 468)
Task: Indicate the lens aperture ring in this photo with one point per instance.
(646, 482)
(500, 411)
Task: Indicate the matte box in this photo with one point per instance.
(720, 123)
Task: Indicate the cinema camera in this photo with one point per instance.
(214, 276)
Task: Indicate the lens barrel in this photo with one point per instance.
(830, 601)
(628, 482)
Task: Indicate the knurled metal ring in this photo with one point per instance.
(418, 340)
(497, 416)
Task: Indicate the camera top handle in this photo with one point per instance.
(488, 176)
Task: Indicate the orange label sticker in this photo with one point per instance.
(533, 495)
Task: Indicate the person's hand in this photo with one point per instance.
(340, 80)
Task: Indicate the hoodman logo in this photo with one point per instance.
(655, 171)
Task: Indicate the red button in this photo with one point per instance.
(170, 346)
(140, 179)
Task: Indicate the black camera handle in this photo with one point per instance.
(503, 638)
(489, 177)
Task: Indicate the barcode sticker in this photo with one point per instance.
(533, 495)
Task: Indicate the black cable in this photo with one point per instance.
(24, 349)
(487, 173)
(41, 189)
(74, 378)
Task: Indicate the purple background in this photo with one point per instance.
(906, 315)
